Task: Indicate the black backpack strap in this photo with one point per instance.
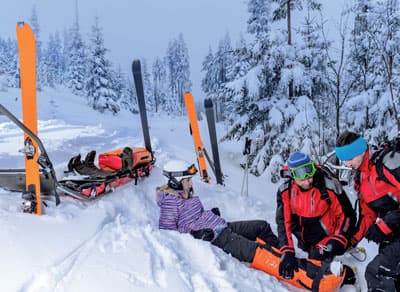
(127, 160)
(325, 268)
(377, 160)
(321, 184)
(324, 193)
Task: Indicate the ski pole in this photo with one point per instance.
(245, 181)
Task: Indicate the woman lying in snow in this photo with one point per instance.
(182, 211)
(248, 241)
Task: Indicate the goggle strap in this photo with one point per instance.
(189, 171)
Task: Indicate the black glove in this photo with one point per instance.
(288, 265)
(375, 234)
(392, 220)
(216, 211)
(327, 252)
(336, 247)
(203, 234)
(320, 254)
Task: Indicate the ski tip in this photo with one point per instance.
(136, 66)
(208, 103)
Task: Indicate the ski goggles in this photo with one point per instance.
(303, 171)
(190, 171)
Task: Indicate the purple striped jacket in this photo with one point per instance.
(186, 215)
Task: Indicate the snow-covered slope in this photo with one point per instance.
(114, 244)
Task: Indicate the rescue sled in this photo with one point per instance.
(312, 275)
(118, 167)
(88, 182)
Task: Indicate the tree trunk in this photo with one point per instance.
(289, 28)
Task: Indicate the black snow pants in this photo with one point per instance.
(383, 272)
(238, 239)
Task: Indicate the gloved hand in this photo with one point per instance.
(375, 234)
(203, 234)
(320, 254)
(336, 247)
(216, 211)
(392, 220)
(288, 265)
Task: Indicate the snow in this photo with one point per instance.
(114, 244)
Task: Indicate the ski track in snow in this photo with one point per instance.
(60, 273)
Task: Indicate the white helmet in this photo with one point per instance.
(176, 171)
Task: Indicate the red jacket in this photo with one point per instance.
(311, 218)
(377, 197)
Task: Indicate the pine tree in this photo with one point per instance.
(284, 11)
(40, 66)
(375, 53)
(101, 94)
(11, 68)
(53, 61)
(177, 60)
(76, 61)
(159, 84)
(311, 53)
(129, 99)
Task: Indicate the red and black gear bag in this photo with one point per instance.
(124, 158)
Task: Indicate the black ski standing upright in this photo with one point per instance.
(137, 77)
(209, 109)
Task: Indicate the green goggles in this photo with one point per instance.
(303, 171)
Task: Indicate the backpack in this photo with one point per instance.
(387, 156)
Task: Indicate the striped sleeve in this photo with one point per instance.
(168, 211)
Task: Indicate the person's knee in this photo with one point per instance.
(372, 268)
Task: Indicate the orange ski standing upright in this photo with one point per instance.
(194, 128)
(27, 63)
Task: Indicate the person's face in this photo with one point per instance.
(187, 184)
(305, 184)
(355, 162)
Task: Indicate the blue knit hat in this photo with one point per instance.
(297, 159)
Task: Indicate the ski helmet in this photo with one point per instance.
(176, 171)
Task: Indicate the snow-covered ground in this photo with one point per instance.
(114, 244)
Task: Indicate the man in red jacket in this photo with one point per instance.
(377, 182)
(312, 206)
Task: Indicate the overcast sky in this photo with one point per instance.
(138, 28)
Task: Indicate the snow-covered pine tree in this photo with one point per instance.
(376, 56)
(147, 86)
(3, 63)
(223, 59)
(40, 65)
(209, 81)
(249, 95)
(178, 68)
(284, 12)
(129, 99)
(11, 65)
(100, 92)
(119, 84)
(53, 60)
(76, 61)
(159, 84)
(311, 53)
